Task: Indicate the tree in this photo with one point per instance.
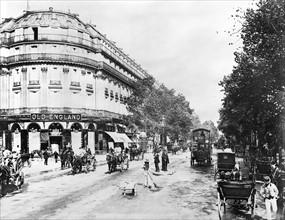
(150, 102)
(253, 102)
(214, 135)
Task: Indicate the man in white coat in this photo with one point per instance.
(269, 193)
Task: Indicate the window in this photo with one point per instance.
(35, 30)
(106, 93)
(111, 95)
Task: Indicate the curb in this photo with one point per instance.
(58, 169)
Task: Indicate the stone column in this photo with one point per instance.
(24, 98)
(44, 87)
(65, 87)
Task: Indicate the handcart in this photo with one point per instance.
(242, 194)
(129, 188)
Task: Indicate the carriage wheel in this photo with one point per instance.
(209, 162)
(219, 206)
(216, 173)
(224, 204)
(283, 212)
(1, 189)
(253, 202)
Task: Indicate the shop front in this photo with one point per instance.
(54, 132)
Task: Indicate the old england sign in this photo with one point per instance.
(55, 117)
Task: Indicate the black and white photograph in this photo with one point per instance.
(142, 109)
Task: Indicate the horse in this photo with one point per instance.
(25, 157)
(12, 172)
(112, 162)
(175, 149)
(4, 178)
(77, 164)
(135, 153)
(66, 158)
(82, 162)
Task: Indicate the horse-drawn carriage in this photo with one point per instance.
(234, 189)
(238, 193)
(84, 162)
(226, 162)
(262, 167)
(201, 149)
(11, 173)
(136, 152)
(117, 161)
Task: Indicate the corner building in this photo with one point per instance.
(61, 82)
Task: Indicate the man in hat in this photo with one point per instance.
(147, 178)
(275, 173)
(269, 193)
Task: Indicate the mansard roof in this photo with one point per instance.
(44, 18)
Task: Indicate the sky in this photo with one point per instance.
(184, 45)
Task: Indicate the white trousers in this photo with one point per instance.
(270, 203)
(147, 179)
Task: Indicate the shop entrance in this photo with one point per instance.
(55, 143)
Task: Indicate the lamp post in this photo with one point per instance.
(163, 135)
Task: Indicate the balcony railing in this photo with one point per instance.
(76, 84)
(48, 37)
(55, 57)
(77, 40)
(55, 82)
(89, 86)
(16, 84)
(34, 82)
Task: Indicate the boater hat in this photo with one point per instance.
(266, 179)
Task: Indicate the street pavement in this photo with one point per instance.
(38, 167)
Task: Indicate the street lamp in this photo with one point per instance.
(163, 125)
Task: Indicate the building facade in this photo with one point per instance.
(61, 82)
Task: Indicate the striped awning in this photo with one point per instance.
(119, 137)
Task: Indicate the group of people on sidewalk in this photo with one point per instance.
(164, 160)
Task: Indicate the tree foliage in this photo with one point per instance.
(254, 100)
(214, 135)
(150, 103)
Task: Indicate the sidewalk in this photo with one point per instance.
(38, 167)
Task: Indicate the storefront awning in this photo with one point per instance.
(119, 137)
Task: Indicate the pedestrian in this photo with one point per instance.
(147, 178)
(45, 153)
(55, 156)
(269, 193)
(165, 160)
(156, 161)
(275, 173)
